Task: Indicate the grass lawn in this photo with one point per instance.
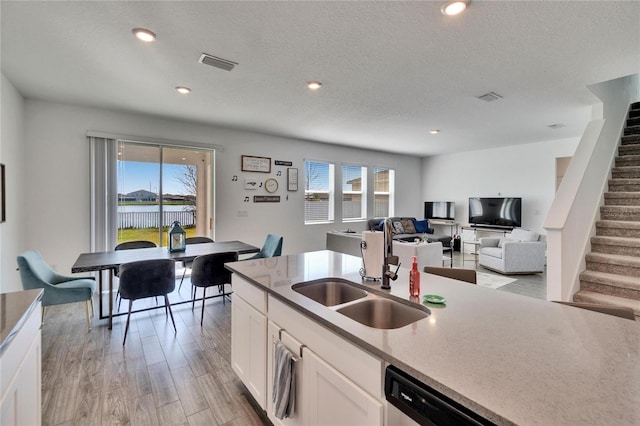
(149, 234)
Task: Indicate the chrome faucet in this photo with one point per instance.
(388, 258)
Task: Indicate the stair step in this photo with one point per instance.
(635, 106)
(622, 198)
(630, 139)
(612, 284)
(624, 185)
(630, 213)
(616, 245)
(634, 112)
(618, 228)
(613, 264)
(632, 130)
(627, 160)
(629, 149)
(606, 299)
(633, 121)
(629, 172)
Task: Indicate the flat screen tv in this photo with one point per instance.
(440, 210)
(503, 212)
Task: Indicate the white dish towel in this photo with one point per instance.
(284, 382)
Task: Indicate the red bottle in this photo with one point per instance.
(414, 278)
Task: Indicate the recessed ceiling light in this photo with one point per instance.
(184, 90)
(454, 7)
(144, 34)
(314, 85)
(434, 131)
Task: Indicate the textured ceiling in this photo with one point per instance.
(391, 71)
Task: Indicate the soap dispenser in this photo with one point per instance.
(414, 278)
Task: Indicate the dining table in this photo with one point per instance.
(110, 261)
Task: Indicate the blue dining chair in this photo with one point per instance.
(272, 247)
(58, 289)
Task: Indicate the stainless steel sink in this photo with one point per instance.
(330, 292)
(382, 313)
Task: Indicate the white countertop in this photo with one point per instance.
(511, 358)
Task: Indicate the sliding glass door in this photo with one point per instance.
(158, 185)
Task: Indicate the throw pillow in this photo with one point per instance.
(524, 235)
(398, 227)
(407, 225)
(381, 225)
(421, 226)
(505, 240)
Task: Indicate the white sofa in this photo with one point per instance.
(521, 252)
(428, 254)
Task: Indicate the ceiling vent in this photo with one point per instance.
(490, 97)
(214, 61)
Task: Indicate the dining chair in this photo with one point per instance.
(58, 289)
(618, 311)
(467, 275)
(208, 270)
(130, 245)
(272, 247)
(147, 278)
(188, 263)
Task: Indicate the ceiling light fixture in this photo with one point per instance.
(144, 34)
(314, 85)
(184, 90)
(434, 131)
(454, 7)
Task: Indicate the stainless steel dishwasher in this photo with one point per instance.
(412, 401)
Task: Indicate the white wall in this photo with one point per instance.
(526, 171)
(12, 232)
(57, 179)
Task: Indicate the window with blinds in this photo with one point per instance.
(318, 191)
(354, 192)
(383, 192)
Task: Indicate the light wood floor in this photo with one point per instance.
(158, 378)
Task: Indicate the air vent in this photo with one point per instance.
(490, 97)
(213, 61)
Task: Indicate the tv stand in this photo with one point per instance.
(471, 234)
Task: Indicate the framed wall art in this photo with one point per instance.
(251, 163)
(292, 179)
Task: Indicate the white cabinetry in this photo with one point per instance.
(333, 399)
(249, 338)
(20, 375)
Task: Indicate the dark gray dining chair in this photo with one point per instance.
(130, 245)
(208, 270)
(460, 274)
(186, 263)
(147, 278)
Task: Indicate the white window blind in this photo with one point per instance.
(354, 192)
(383, 192)
(318, 191)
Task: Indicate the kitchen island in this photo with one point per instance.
(509, 358)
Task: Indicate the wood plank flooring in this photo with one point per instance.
(158, 378)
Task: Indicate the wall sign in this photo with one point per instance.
(283, 163)
(292, 179)
(256, 164)
(252, 184)
(266, 198)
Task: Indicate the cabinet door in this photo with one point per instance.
(249, 348)
(294, 346)
(333, 399)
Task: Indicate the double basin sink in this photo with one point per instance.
(360, 305)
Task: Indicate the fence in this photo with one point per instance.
(138, 220)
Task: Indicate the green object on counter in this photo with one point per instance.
(433, 298)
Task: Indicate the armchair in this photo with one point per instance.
(520, 253)
(58, 289)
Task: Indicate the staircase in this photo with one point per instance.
(613, 267)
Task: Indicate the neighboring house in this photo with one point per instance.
(142, 195)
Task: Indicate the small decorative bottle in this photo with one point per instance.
(414, 278)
